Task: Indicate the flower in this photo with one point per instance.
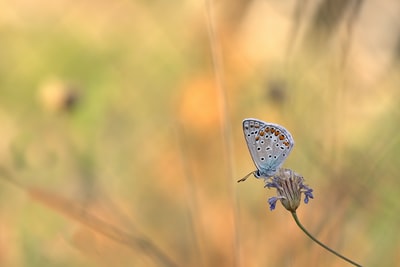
(289, 186)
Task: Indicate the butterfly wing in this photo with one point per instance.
(269, 145)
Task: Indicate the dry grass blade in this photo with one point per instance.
(78, 213)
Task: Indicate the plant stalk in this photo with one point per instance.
(294, 214)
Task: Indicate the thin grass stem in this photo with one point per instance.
(294, 214)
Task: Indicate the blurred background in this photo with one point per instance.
(119, 147)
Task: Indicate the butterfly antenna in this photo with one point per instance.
(244, 178)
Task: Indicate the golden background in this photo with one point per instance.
(121, 139)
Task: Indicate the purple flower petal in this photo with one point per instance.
(272, 202)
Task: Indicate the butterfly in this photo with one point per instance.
(269, 145)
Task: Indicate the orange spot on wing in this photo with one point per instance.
(262, 133)
(257, 138)
(277, 133)
(281, 137)
(286, 143)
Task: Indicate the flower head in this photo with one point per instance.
(289, 186)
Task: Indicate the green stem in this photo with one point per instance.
(294, 214)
